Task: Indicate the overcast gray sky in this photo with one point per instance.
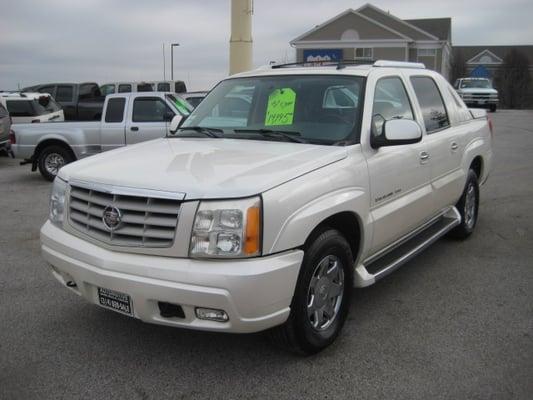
(106, 40)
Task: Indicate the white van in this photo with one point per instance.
(144, 86)
(31, 107)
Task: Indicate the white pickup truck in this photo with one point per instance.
(128, 118)
(264, 218)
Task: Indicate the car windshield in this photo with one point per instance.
(319, 109)
(181, 104)
(476, 84)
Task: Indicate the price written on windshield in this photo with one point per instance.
(280, 108)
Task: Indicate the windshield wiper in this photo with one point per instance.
(210, 132)
(293, 136)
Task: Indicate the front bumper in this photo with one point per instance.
(255, 293)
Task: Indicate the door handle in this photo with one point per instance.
(424, 156)
(454, 146)
(134, 128)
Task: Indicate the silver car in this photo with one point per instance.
(5, 126)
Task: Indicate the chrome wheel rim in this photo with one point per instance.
(324, 296)
(53, 163)
(470, 206)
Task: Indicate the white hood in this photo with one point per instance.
(203, 168)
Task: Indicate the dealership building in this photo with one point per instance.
(371, 33)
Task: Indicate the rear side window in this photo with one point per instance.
(115, 110)
(107, 89)
(431, 103)
(20, 108)
(179, 87)
(145, 87)
(151, 109)
(163, 87)
(89, 91)
(124, 88)
(64, 93)
(47, 89)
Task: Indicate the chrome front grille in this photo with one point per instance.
(144, 221)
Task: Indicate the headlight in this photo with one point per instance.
(57, 202)
(228, 228)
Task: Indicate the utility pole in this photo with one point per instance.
(164, 64)
(241, 44)
(172, 60)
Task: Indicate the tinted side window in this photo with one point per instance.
(150, 109)
(47, 89)
(431, 103)
(64, 93)
(179, 87)
(145, 87)
(115, 110)
(89, 91)
(163, 87)
(20, 108)
(124, 88)
(107, 89)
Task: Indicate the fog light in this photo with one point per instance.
(211, 314)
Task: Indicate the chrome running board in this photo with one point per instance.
(394, 256)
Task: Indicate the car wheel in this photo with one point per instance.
(322, 296)
(493, 107)
(52, 159)
(468, 206)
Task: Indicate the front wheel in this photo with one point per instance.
(322, 296)
(468, 206)
(52, 159)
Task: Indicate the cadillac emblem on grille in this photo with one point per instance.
(111, 217)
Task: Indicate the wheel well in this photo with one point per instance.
(477, 166)
(51, 142)
(345, 222)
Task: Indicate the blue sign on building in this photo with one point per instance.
(322, 55)
(480, 72)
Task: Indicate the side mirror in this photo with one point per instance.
(397, 132)
(175, 123)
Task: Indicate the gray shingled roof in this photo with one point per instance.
(500, 51)
(439, 27)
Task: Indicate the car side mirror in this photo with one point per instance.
(397, 132)
(175, 123)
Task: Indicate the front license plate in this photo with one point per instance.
(115, 300)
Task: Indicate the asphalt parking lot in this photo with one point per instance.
(455, 323)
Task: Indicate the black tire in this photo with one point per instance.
(468, 217)
(50, 156)
(297, 334)
(493, 107)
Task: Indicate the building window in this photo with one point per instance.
(426, 52)
(364, 53)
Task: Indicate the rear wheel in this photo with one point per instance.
(467, 206)
(52, 159)
(322, 296)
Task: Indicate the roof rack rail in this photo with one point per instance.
(399, 64)
(338, 63)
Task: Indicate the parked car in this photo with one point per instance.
(477, 92)
(194, 98)
(151, 86)
(31, 107)
(128, 118)
(265, 220)
(5, 128)
(80, 101)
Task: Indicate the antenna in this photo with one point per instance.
(164, 67)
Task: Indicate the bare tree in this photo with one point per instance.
(458, 66)
(513, 80)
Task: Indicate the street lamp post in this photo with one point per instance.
(172, 60)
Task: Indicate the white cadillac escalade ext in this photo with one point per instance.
(284, 189)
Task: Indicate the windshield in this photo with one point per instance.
(320, 109)
(181, 104)
(476, 84)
